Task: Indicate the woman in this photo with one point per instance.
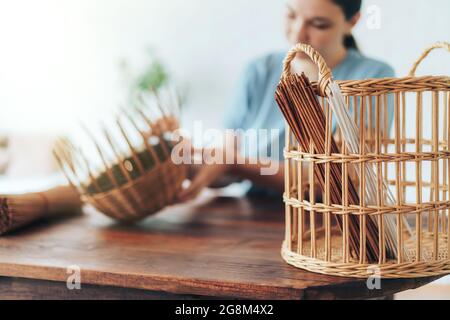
(326, 25)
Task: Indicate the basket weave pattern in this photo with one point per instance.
(414, 161)
(143, 196)
(138, 184)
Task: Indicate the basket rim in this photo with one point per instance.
(325, 75)
(386, 85)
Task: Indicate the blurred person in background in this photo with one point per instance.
(327, 26)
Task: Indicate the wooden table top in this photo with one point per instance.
(217, 247)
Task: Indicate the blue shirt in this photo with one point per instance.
(253, 105)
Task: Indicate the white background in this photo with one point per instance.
(60, 59)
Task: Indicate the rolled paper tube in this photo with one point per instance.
(22, 209)
(304, 114)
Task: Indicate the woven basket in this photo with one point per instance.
(403, 159)
(132, 186)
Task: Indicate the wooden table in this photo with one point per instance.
(220, 247)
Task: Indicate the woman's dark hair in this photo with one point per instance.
(350, 8)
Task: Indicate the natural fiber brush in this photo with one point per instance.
(21, 209)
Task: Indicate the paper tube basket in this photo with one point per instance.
(135, 184)
(413, 158)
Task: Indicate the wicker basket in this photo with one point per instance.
(403, 160)
(132, 186)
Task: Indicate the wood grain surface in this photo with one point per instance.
(215, 247)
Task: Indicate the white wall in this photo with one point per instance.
(59, 59)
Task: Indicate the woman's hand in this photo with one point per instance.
(214, 168)
(202, 176)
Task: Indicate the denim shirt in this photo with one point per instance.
(253, 104)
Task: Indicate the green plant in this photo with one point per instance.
(154, 77)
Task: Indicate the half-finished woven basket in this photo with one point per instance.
(132, 183)
(414, 161)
